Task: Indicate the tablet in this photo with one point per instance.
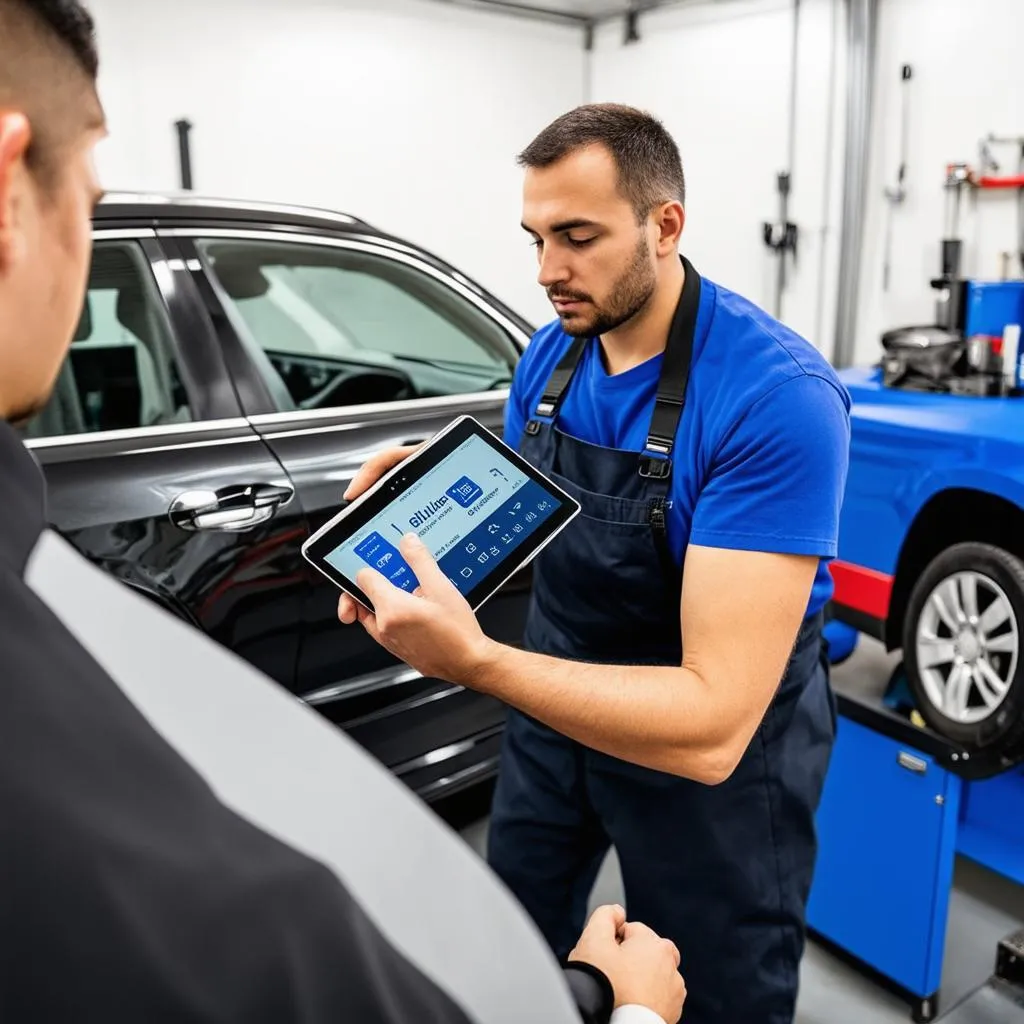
(480, 508)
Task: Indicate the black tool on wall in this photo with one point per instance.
(898, 192)
(781, 237)
(184, 129)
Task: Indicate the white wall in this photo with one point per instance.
(966, 60)
(717, 74)
(401, 111)
(410, 114)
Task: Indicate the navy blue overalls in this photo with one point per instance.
(724, 871)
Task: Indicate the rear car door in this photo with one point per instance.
(359, 344)
(153, 473)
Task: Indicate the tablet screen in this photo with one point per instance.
(473, 510)
(480, 508)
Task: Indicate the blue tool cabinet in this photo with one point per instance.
(897, 808)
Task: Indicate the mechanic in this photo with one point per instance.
(157, 863)
(686, 421)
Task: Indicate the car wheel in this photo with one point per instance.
(962, 646)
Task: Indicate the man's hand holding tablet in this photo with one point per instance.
(431, 533)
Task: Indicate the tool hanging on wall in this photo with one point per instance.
(898, 192)
(184, 129)
(781, 237)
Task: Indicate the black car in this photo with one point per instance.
(234, 365)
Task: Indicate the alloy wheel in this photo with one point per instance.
(968, 643)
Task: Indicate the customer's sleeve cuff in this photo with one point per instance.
(634, 1014)
(592, 992)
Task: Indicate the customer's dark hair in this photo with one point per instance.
(48, 67)
(67, 21)
(647, 158)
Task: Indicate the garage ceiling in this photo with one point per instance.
(582, 12)
(586, 9)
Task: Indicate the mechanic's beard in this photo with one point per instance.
(20, 410)
(628, 297)
(22, 415)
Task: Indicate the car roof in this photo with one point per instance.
(169, 209)
(174, 206)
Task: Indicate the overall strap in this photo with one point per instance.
(557, 385)
(656, 458)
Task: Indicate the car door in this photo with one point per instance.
(361, 345)
(153, 473)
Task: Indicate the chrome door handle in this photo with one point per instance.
(233, 509)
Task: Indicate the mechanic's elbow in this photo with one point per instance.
(716, 764)
(718, 770)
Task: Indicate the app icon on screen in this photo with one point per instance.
(383, 556)
(465, 492)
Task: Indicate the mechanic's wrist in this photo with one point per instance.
(483, 664)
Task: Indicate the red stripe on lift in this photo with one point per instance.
(867, 590)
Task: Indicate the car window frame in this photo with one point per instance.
(255, 396)
(212, 400)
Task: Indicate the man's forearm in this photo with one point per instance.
(661, 717)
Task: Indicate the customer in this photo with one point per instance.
(181, 839)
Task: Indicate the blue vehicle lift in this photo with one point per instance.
(900, 803)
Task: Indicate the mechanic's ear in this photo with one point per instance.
(15, 136)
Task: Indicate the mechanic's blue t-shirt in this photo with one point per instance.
(762, 449)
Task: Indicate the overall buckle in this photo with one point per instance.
(654, 468)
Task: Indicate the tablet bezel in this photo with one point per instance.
(354, 516)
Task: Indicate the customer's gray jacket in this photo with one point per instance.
(182, 840)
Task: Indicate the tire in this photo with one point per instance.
(984, 708)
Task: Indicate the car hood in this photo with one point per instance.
(999, 419)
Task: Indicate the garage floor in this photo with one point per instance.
(984, 908)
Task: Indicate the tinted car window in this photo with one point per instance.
(341, 326)
(120, 372)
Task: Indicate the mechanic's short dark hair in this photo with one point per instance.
(650, 169)
(47, 58)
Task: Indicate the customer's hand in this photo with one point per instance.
(642, 967)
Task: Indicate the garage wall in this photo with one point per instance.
(402, 111)
(717, 74)
(410, 114)
(965, 56)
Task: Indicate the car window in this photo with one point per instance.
(120, 372)
(336, 326)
